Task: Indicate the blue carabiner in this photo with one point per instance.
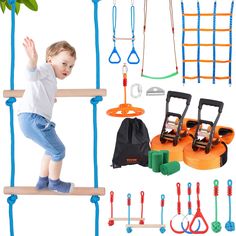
(133, 53)
(115, 54)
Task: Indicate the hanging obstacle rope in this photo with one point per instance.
(112, 219)
(114, 57)
(208, 149)
(144, 42)
(189, 215)
(230, 225)
(178, 215)
(96, 191)
(198, 215)
(129, 226)
(125, 109)
(174, 135)
(201, 46)
(216, 225)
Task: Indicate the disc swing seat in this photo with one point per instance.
(125, 109)
(96, 95)
(208, 149)
(175, 131)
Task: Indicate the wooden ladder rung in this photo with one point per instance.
(61, 93)
(25, 190)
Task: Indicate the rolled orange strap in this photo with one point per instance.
(216, 158)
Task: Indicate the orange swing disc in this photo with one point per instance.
(125, 109)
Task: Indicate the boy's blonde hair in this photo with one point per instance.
(58, 47)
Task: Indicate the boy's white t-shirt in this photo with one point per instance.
(40, 91)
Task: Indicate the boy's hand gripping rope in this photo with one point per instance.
(199, 215)
(216, 225)
(230, 225)
(162, 228)
(189, 211)
(178, 212)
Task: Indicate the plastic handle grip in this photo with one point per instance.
(179, 95)
(210, 102)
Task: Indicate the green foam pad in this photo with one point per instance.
(157, 161)
(165, 156)
(150, 158)
(170, 168)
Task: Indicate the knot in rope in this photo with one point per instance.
(216, 226)
(96, 100)
(162, 229)
(95, 199)
(10, 101)
(230, 226)
(11, 1)
(12, 199)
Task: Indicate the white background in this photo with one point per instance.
(73, 21)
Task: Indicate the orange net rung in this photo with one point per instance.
(208, 61)
(207, 77)
(206, 29)
(206, 45)
(207, 14)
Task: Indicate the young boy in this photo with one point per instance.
(35, 110)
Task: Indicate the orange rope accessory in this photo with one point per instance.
(125, 109)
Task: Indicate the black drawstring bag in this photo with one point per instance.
(132, 144)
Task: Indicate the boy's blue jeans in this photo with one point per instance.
(42, 132)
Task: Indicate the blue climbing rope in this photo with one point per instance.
(183, 41)
(94, 101)
(133, 52)
(198, 41)
(114, 57)
(230, 40)
(12, 199)
(214, 46)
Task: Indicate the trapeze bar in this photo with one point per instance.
(208, 61)
(145, 226)
(206, 77)
(23, 190)
(125, 219)
(61, 93)
(206, 45)
(206, 29)
(117, 38)
(207, 14)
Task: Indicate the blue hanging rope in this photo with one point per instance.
(198, 41)
(133, 52)
(12, 199)
(114, 57)
(183, 41)
(12, 75)
(94, 101)
(162, 228)
(214, 46)
(230, 40)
